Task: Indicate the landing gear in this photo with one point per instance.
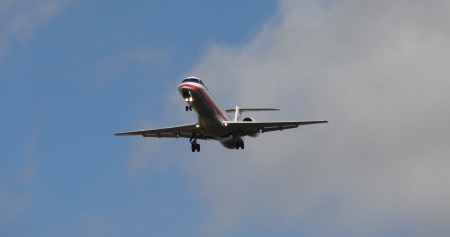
(240, 144)
(194, 145)
(188, 108)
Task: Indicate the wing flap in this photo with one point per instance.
(279, 128)
(178, 135)
(160, 132)
(183, 131)
(233, 126)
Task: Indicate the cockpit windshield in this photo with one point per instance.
(193, 79)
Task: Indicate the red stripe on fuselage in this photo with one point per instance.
(206, 96)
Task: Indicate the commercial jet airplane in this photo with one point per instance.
(214, 123)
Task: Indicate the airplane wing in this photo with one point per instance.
(184, 131)
(252, 127)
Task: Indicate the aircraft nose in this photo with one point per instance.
(186, 94)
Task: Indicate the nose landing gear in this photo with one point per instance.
(188, 108)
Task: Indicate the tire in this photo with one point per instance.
(198, 147)
(238, 145)
(242, 144)
(193, 147)
(187, 108)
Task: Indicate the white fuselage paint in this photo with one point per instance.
(211, 116)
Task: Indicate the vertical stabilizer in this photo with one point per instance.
(237, 114)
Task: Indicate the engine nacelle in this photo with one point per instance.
(249, 119)
(225, 138)
(251, 134)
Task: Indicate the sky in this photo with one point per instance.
(74, 72)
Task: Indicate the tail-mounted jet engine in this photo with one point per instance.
(251, 133)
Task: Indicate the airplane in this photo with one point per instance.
(214, 123)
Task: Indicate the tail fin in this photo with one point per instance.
(237, 111)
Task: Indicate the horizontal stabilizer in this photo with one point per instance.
(252, 109)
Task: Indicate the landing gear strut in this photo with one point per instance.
(194, 145)
(188, 108)
(240, 144)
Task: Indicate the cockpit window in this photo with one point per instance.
(196, 80)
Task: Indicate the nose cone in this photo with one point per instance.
(184, 87)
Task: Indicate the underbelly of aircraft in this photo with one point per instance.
(230, 145)
(210, 122)
(208, 119)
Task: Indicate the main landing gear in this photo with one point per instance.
(194, 145)
(188, 108)
(240, 144)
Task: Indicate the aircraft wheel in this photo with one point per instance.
(242, 144)
(187, 108)
(193, 147)
(190, 108)
(198, 147)
(238, 144)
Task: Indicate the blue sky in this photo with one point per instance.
(83, 73)
(73, 72)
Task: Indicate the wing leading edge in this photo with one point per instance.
(184, 131)
(240, 126)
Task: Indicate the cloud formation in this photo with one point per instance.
(20, 19)
(378, 71)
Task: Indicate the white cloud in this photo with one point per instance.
(20, 19)
(11, 204)
(378, 71)
(17, 190)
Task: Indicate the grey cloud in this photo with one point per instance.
(378, 70)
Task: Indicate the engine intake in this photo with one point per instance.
(249, 119)
(254, 133)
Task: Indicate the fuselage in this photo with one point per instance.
(211, 116)
(213, 121)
